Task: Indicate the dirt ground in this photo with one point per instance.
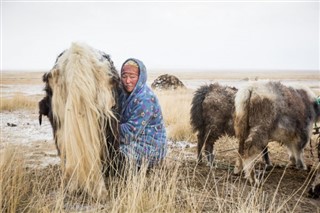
(291, 183)
(21, 128)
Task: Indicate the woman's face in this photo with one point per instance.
(129, 77)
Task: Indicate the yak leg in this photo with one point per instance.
(209, 151)
(239, 163)
(266, 158)
(239, 166)
(296, 156)
(201, 138)
(205, 138)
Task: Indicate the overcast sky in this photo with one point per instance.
(173, 36)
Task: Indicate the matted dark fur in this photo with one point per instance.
(268, 111)
(45, 109)
(212, 116)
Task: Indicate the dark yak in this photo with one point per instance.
(270, 111)
(81, 103)
(212, 113)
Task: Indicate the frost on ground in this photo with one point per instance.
(22, 129)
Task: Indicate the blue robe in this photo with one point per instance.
(142, 129)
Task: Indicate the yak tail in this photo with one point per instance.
(242, 108)
(197, 121)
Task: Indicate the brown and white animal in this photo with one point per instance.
(266, 111)
(314, 190)
(212, 116)
(81, 104)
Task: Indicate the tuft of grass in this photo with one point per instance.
(13, 184)
(18, 101)
(25, 188)
(145, 190)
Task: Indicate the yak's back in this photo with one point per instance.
(270, 103)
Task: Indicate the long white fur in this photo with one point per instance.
(82, 99)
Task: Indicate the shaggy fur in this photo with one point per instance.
(81, 104)
(212, 114)
(314, 190)
(270, 111)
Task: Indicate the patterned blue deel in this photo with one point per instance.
(142, 130)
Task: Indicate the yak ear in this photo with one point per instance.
(46, 76)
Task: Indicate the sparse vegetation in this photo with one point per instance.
(179, 185)
(176, 186)
(17, 102)
(176, 106)
(13, 180)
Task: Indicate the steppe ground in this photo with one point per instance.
(287, 187)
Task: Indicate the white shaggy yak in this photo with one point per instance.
(81, 104)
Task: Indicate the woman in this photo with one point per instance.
(142, 130)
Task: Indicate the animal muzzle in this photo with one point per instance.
(44, 108)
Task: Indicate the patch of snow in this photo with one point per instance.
(22, 127)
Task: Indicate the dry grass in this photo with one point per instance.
(21, 78)
(176, 107)
(13, 181)
(19, 101)
(176, 186)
